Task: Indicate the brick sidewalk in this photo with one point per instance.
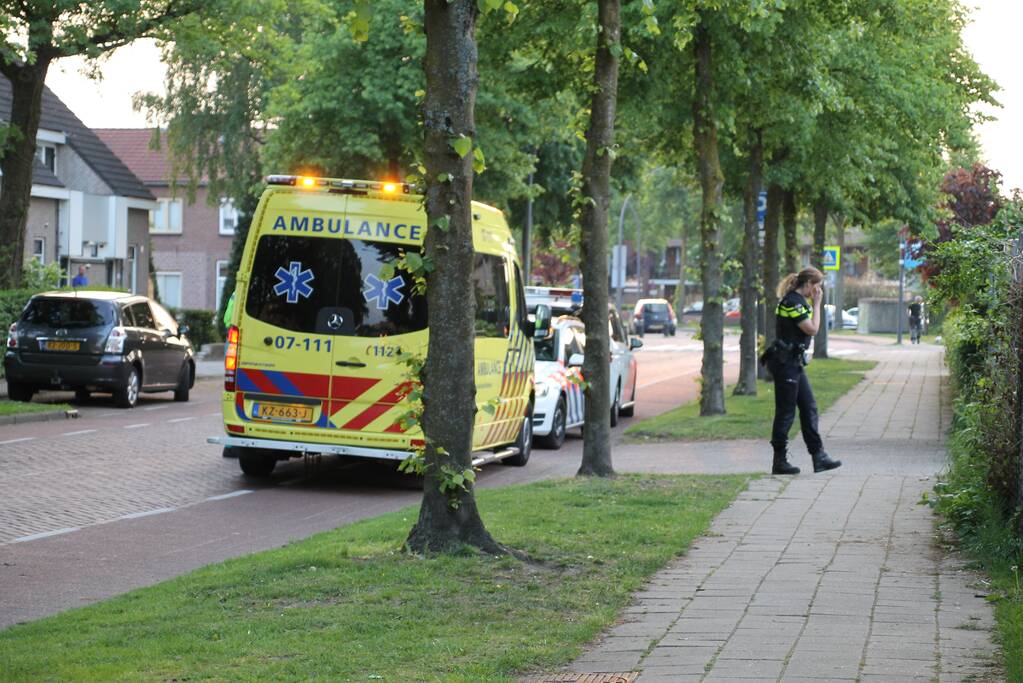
(822, 577)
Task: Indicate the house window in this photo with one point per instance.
(228, 217)
(47, 155)
(168, 285)
(39, 249)
(221, 280)
(166, 218)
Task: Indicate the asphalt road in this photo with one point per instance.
(119, 499)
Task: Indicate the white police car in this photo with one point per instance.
(559, 400)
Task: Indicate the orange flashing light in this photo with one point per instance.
(231, 358)
(308, 182)
(390, 187)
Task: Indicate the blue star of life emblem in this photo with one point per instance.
(294, 282)
(384, 292)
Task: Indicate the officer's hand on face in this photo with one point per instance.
(817, 293)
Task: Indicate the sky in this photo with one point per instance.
(992, 38)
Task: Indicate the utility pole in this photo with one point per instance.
(902, 286)
(527, 236)
(619, 264)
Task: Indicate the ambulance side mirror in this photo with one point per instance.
(541, 321)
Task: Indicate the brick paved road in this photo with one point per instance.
(120, 499)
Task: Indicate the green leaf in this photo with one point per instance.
(413, 261)
(444, 222)
(443, 177)
(490, 5)
(462, 145)
(479, 163)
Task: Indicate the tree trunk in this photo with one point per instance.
(747, 384)
(839, 293)
(771, 224)
(597, 190)
(16, 160)
(449, 521)
(712, 389)
(820, 226)
(788, 219)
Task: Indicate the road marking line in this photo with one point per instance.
(181, 419)
(147, 513)
(24, 438)
(233, 494)
(143, 424)
(216, 414)
(46, 534)
(667, 379)
(111, 414)
(843, 352)
(155, 408)
(80, 431)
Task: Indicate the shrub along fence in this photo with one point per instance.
(980, 277)
(202, 328)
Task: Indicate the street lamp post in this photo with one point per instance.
(621, 280)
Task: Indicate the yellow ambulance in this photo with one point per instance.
(322, 321)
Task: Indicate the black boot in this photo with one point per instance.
(822, 462)
(782, 465)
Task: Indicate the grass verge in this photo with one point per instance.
(20, 408)
(347, 605)
(749, 417)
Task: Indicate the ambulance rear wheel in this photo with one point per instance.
(524, 442)
(256, 463)
(556, 436)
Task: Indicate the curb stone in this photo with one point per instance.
(38, 417)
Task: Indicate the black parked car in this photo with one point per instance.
(98, 341)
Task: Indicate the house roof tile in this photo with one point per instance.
(56, 116)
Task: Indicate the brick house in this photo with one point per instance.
(86, 208)
(191, 241)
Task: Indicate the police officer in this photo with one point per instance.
(796, 322)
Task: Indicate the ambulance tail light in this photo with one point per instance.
(231, 358)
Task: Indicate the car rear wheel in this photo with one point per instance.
(128, 395)
(256, 463)
(556, 437)
(524, 442)
(629, 410)
(18, 391)
(184, 383)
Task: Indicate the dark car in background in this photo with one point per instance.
(654, 315)
(86, 341)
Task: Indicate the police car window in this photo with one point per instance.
(333, 286)
(490, 287)
(547, 348)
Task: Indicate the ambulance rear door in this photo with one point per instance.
(381, 322)
(286, 343)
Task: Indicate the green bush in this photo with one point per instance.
(202, 327)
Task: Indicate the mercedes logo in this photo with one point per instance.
(336, 321)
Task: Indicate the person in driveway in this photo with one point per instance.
(80, 280)
(796, 321)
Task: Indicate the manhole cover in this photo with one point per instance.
(624, 677)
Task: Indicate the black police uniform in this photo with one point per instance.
(791, 386)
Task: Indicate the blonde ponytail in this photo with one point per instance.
(794, 281)
(787, 284)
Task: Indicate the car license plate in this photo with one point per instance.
(61, 345)
(282, 412)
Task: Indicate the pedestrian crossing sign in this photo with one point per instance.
(832, 258)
